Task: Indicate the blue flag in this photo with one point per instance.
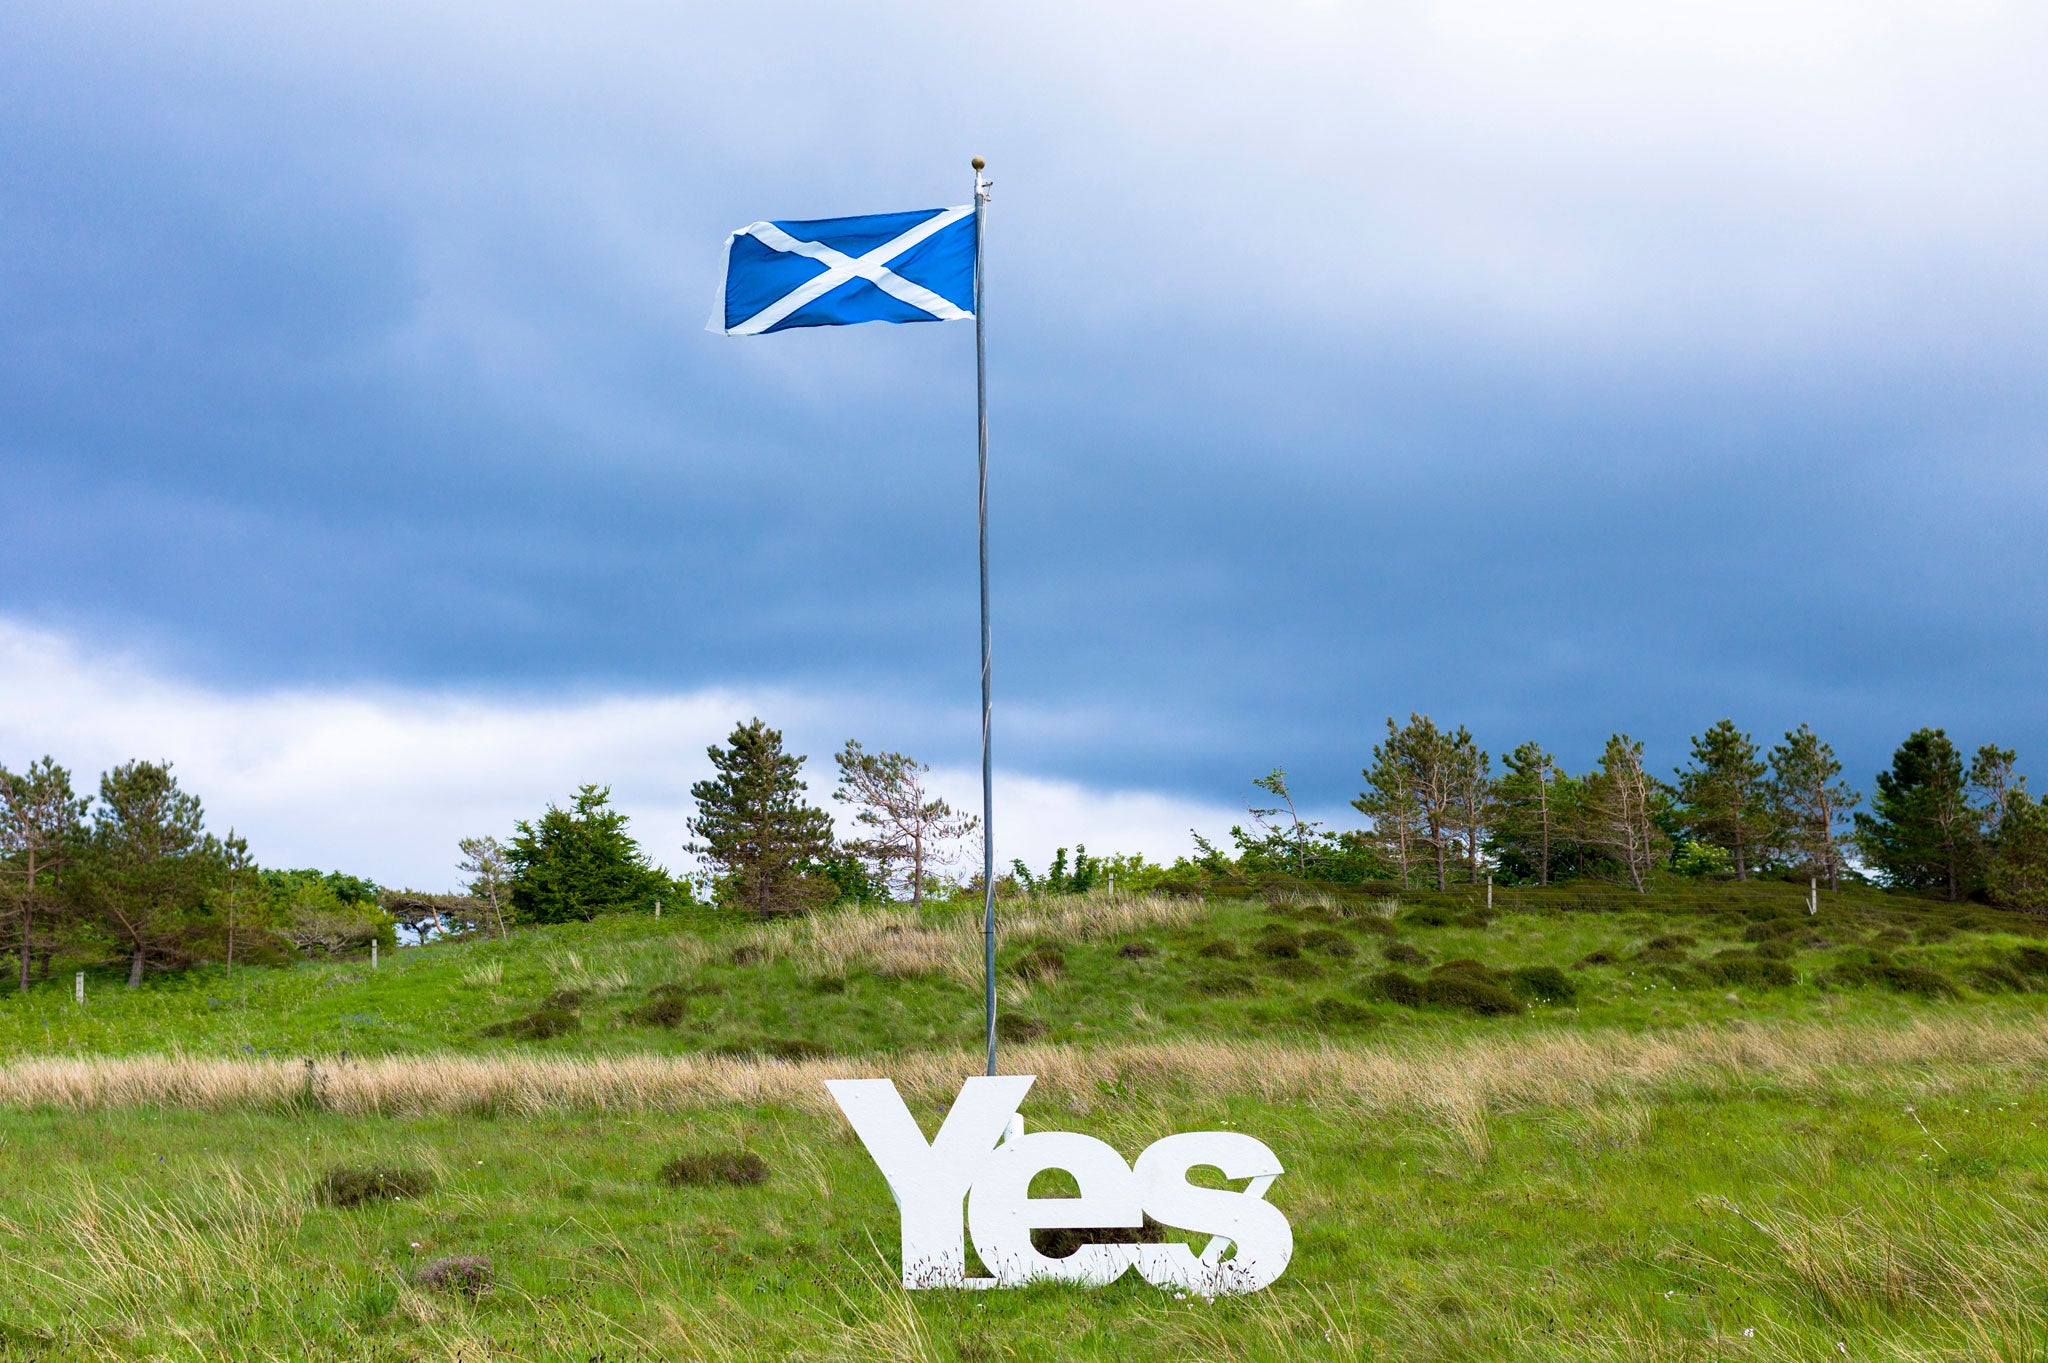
(832, 272)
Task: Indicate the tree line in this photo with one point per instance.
(1437, 811)
(130, 873)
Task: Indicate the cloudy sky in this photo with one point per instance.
(1551, 369)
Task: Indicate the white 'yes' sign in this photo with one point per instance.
(970, 1159)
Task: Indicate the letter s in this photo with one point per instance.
(1264, 1240)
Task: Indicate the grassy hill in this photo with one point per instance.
(1711, 1125)
(1307, 965)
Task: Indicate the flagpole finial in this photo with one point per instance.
(978, 163)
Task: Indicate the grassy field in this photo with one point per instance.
(1790, 1136)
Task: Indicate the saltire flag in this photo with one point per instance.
(833, 272)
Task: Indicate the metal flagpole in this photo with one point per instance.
(988, 786)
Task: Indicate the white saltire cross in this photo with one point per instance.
(873, 267)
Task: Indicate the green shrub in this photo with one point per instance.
(1391, 986)
(2030, 960)
(1328, 941)
(1772, 927)
(1592, 958)
(1042, 962)
(1662, 956)
(1137, 951)
(1754, 972)
(1331, 1011)
(354, 1186)
(1017, 1027)
(1671, 941)
(730, 1168)
(1217, 949)
(1898, 976)
(1470, 993)
(1429, 916)
(1278, 944)
(1297, 968)
(1542, 982)
(1401, 953)
(1777, 949)
(543, 1022)
(775, 1048)
(1997, 978)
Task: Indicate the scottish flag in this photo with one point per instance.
(832, 272)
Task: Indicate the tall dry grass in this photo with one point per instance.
(900, 942)
(1467, 1078)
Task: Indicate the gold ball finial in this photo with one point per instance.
(978, 163)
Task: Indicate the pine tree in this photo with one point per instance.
(1526, 834)
(1472, 799)
(908, 831)
(1809, 803)
(1922, 833)
(755, 826)
(1723, 793)
(574, 864)
(2018, 874)
(151, 864)
(1396, 820)
(1620, 812)
(41, 828)
(1415, 772)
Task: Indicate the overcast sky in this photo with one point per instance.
(1552, 369)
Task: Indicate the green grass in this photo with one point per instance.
(1627, 1229)
(1891, 1206)
(636, 985)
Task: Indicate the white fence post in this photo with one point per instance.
(78, 987)
(373, 953)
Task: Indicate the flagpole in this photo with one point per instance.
(988, 786)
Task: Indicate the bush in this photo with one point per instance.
(1297, 968)
(1777, 949)
(1428, 916)
(1898, 976)
(1042, 962)
(1391, 986)
(1593, 958)
(546, 1021)
(2030, 960)
(1137, 951)
(467, 1274)
(1665, 956)
(664, 1010)
(1772, 927)
(775, 1048)
(354, 1186)
(1755, 972)
(1278, 944)
(1999, 979)
(1016, 1027)
(712, 1168)
(1671, 941)
(1328, 941)
(1545, 983)
(1217, 949)
(1331, 1011)
(1400, 953)
(1470, 992)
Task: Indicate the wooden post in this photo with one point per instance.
(1489, 892)
(373, 953)
(78, 987)
(657, 908)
